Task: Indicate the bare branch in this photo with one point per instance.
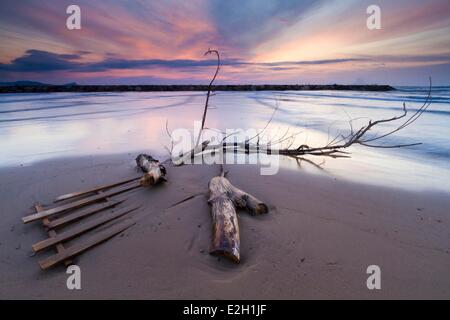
(336, 148)
(210, 51)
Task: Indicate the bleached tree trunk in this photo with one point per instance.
(224, 199)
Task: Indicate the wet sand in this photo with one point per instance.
(316, 242)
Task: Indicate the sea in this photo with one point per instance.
(38, 127)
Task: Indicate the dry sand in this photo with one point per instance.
(316, 242)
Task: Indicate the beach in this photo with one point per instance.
(319, 237)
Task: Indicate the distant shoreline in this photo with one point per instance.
(152, 88)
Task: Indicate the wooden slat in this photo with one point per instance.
(82, 213)
(80, 248)
(93, 190)
(79, 230)
(80, 203)
(51, 233)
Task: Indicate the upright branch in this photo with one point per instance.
(210, 51)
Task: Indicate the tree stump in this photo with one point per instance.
(154, 171)
(224, 199)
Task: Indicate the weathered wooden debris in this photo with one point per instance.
(83, 213)
(81, 202)
(52, 233)
(224, 199)
(77, 206)
(72, 233)
(93, 190)
(89, 243)
(154, 171)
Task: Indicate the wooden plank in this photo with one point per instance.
(80, 203)
(79, 230)
(51, 233)
(93, 190)
(80, 248)
(82, 213)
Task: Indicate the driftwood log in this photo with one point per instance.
(154, 171)
(224, 199)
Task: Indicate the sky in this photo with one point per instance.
(260, 41)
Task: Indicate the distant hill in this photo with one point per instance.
(22, 84)
(26, 83)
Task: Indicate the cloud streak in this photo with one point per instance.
(44, 62)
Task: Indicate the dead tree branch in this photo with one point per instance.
(336, 148)
(210, 51)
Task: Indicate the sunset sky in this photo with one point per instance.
(270, 41)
